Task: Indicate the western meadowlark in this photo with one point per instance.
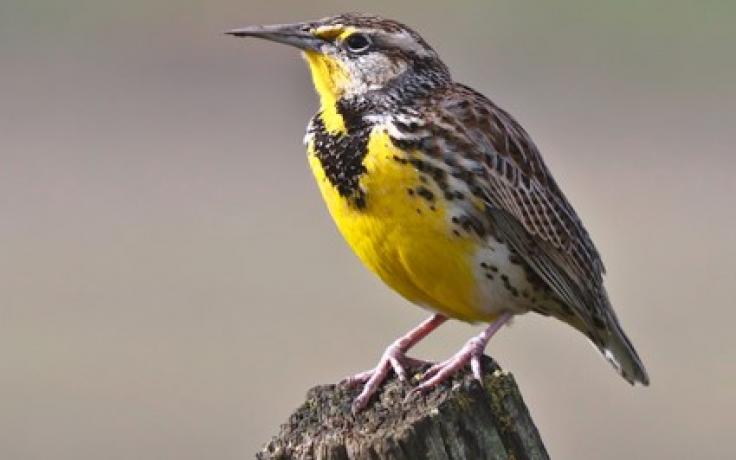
(443, 195)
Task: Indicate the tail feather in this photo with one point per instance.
(619, 351)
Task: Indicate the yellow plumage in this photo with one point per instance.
(329, 78)
(403, 239)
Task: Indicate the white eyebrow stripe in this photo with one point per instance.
(408, 42)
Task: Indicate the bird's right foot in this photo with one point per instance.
(394, 358)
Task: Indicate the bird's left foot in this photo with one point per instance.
(471, 353)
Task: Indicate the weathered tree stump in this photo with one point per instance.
(458, 420)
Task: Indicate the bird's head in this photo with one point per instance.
(356, 55)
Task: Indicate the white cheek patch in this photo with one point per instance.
(373, 71)
(383, 71)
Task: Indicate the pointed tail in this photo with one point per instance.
(619, 351)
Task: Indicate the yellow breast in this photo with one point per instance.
(404, 236)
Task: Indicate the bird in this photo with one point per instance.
(444, 196)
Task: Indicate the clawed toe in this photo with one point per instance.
(357, 379)
(471, 354)
(392, 360)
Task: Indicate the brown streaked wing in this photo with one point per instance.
(514, 180)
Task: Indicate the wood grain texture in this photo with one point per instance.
(458, 420)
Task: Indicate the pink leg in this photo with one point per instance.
(393, 358)
(471, 353)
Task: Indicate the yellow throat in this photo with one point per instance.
(330, 79)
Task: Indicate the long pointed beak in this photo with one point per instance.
(297, 35)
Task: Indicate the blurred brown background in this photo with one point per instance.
(171, 284)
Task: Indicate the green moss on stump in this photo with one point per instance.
(457, 420)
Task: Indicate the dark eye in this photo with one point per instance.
(357, 43)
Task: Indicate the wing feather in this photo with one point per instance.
(523, 200)
(496, 160)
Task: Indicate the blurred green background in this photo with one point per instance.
(171, 284)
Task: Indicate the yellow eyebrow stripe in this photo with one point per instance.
(348, 31)
(333, 32)
(328, 32)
